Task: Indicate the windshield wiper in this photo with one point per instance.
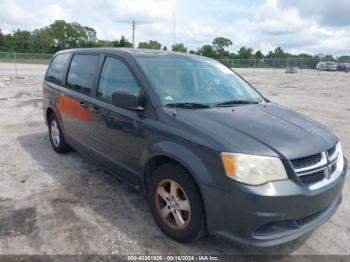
(188, 105)
(236, 102)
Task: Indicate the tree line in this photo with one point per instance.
(63, 35)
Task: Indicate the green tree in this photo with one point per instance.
(180, 47)
(150, 45)
(220, 43)
(21, 41)
(8, 45)
(245, 53)
(259, 54)
(305, 56)
(2, 40)
(270, 54)
(41, 41)
(279, 53)
(208, 51)
(329, 58)
(71, 35)
(103, 43)
(344, 58)
(123, 42)
(165, 48)
(62, 34)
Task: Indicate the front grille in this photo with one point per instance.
(331, 151)
(313, 169)
(312, 178)
(306, 161)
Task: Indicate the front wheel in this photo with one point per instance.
(176, 203)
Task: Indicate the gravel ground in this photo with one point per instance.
(63, 204)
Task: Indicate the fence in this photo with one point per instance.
(25, 58)
(20, 64)
(23, 64)
(275, 64)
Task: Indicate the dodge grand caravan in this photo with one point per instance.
(211, 154)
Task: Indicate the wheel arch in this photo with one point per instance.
(49, 111)
(53, 110)
(164, 152)
(168, 152)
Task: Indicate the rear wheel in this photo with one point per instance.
(176, 203)
(56, 135)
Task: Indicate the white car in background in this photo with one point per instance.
(327, 66)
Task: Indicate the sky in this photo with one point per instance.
(298, 26)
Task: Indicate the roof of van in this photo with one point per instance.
(131, 51)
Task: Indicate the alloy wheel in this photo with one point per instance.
(172, 204)
(55, 133)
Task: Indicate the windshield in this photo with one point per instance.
(179, 79)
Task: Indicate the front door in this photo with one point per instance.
(115, 131)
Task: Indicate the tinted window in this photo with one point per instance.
(82, 72)
(116, 76)
(55, 73)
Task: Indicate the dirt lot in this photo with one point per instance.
(63, 204)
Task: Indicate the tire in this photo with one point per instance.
(56, 135)
(194, 223)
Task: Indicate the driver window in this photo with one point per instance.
(115, 76)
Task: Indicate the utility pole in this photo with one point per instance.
(174, 27)
(133, 33)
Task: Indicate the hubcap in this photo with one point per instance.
(55, 133)
(172, 204)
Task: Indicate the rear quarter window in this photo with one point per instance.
(82, 73)
(55, 72)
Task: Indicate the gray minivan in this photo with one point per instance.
(211, 154)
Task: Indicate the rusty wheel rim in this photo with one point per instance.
(172, 204)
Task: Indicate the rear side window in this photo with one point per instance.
(116, 76)
(82, 73)
(55, 73)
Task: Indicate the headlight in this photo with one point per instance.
(340, 161)
(253, 169)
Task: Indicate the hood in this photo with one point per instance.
(264, 129)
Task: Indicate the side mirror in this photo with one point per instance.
(126, 99)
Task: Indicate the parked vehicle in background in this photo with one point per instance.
(327, 66)
(211, 154)
(345, 67)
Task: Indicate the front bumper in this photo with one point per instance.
(271, 214)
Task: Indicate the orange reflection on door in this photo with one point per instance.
(72, 107)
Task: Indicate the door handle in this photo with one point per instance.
(96, 110)
(83, 104)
